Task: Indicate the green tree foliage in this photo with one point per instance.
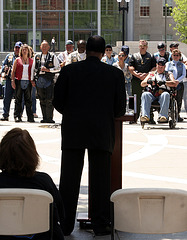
(179, 15)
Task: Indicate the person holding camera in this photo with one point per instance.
(43, 71)
(157, 86)
(6, 69)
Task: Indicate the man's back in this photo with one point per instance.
(90, 94)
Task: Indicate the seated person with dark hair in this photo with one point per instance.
(157, 85)
(18, 162)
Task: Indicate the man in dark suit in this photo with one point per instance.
(89, 94)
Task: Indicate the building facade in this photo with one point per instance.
(32, 21)
(153, 21)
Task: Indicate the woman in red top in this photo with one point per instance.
(21, 82)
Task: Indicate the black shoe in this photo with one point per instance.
(180, 119)
(18, 119)
(4, 119)
(30, 120)
(102, 231)
(43, 121)
(50, 121)
(152, 121)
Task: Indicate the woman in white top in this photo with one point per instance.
(124, 67)
(21, 82)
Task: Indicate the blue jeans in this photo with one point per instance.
(146, 100)
(9, 91)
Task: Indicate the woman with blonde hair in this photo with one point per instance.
(21, 82)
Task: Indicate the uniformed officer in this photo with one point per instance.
(140, 65)
(43, 71)
(6, 69)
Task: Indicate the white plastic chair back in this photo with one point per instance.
(24, 211)
(157, 210)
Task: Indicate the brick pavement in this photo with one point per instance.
(152, 157)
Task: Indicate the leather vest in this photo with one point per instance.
(49, 63)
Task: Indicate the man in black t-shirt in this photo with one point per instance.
(162, 52)
(140, 65)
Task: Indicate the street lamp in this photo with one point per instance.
(123, 9)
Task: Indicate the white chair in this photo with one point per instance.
(151, 210)
(25, 211)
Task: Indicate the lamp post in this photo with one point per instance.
(123, 9)
(166, 21)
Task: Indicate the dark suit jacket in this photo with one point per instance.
(89, 94)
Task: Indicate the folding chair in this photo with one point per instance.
(151, 210)
(25, 211)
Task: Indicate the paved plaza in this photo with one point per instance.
(152, 157)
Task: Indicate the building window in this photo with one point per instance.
(144, 8)
(50, 4)
(17, 4)
(82, 5)
(145, 37)
(108, 5)
(168, 37)
(169, 7)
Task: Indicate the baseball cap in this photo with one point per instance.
(69, 42)
(125, 49)
(160, 45)
(174, 44)
(162, 61)
(18, 44)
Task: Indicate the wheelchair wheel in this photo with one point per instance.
(173, 114)
(142, 124)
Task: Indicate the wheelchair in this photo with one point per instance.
(172, 111)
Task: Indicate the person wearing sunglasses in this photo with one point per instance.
(179, 72)
(162, 52)
(108, 58)
(122, 64)
(140, 64)
(156, 87)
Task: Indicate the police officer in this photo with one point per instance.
(9, 91)
(43, 71)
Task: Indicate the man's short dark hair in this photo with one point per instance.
(108, 46)
(95, 44)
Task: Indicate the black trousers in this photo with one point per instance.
(19, 92)
(99, 175)
(180, 91)
(45, 96)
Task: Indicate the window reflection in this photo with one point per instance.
(82, 4)
(50, 4)
(17, 4)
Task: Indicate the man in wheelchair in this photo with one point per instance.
(157, 87)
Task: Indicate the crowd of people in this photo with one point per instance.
(90, 94)
(28, 74)
(142, 66)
